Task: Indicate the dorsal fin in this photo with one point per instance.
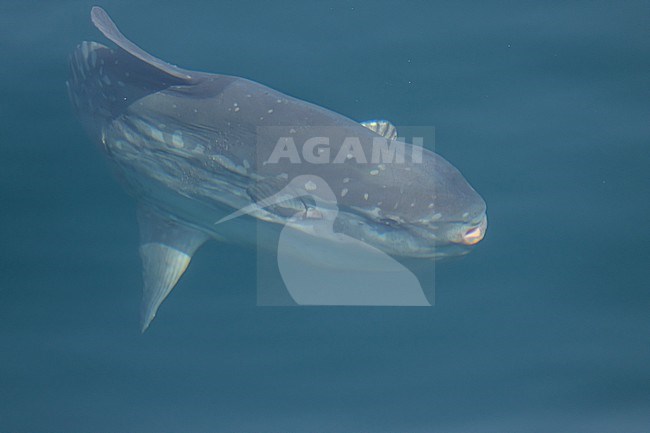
(166, 248)
(104, 81)
(105, 25)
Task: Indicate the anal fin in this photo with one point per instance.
(166, 248)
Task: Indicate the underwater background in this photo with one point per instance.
(544, 327)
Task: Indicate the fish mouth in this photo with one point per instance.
(475, 234)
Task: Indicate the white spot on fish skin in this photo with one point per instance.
(279, 101)
(412, 204)
(157, 135)
(430, 206)
(346, 179)
(344, 192)
(236, 109)
(465, 215)
(195, 110)
(248, 95)
(174, 106)
(374, 172)
(247, 165)
(270, 111)
(349, 156)
(234, 104)
(436, 216)
(261, 117)
(292, 131)
(310, 186)
(177, 140)
(382, 167)
(365, 196)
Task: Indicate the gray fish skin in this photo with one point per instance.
(190, 147)
(179, 136)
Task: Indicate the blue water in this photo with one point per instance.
(545, 327)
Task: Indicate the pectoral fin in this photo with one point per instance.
(382, 127)
(284, 206)
(166, 248)
(277, 196)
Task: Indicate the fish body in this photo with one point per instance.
(194, 147)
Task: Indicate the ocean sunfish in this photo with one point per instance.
(194, 147)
